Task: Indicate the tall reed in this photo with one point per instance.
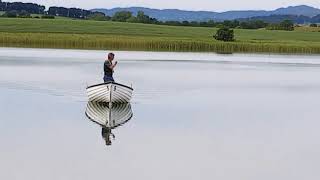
(85, 41)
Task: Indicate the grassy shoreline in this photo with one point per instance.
(81, 34)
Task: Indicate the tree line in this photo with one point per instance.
(19, 6)
(19, 9)
(126, 16)
(286, 25)
(141, 17)
(69, 12)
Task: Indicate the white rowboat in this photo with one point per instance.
(112, 117)
(109, 92)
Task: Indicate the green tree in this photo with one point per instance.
(224, 34)
(24, 14)
(254, 24)
(47, 17)
(287, 25)
(313, 25)
(203, 24)
(185, 23)
(194, 23)
(142, 18)
(10, 14)
(273, 27)
(173, 23)
(121, 16)
(98, 17)
(211, 23)
(132, 19)
(230, 24)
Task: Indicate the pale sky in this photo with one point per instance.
(210, 5)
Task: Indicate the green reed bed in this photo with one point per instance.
(85, 41)
(84, 34)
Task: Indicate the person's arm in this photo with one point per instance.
(112, 66)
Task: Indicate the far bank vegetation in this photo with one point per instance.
(31, 10)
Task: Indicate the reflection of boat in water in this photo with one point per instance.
(101, 114)
(108, 118)
(109, 92)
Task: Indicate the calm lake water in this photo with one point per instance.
(195, 116)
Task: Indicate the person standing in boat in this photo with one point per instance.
(109, 68)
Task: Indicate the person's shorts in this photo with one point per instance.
(108, 79)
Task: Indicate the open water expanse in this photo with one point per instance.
(196, 116)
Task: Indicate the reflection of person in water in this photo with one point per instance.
(106, 133)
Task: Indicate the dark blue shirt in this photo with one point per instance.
(107, 70)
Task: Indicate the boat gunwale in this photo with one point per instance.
(109, 83)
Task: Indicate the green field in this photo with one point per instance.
(84, 34)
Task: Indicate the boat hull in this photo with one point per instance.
(109, 92)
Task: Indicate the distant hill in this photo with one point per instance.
(279, 18)
(298, 10)
(181, 15)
